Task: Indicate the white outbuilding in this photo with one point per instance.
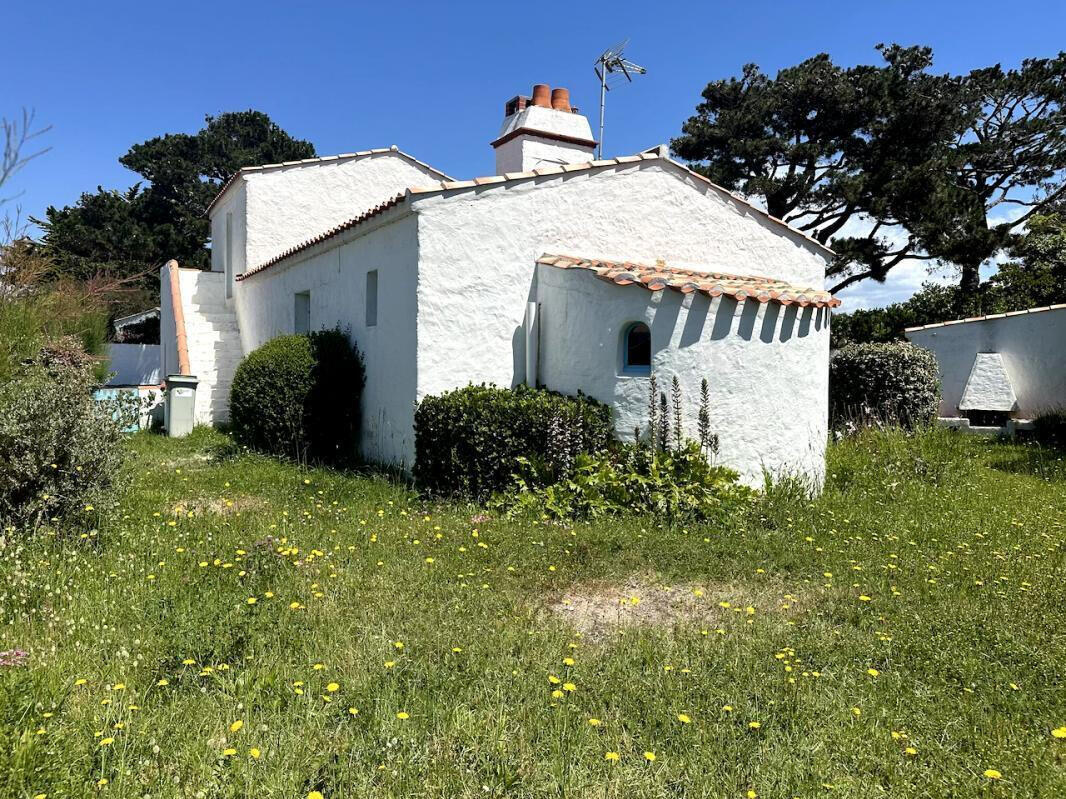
(558, 270)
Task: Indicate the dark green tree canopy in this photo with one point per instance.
(891, 161)
(129, 234)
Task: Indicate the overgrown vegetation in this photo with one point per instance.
(60, 449)
(247, 627)
(299, 397)
(886, 384)
(671, 484)
(468, 441)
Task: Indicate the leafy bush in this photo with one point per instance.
(895, 383)
(468, 441)
(1050, 428)
(635, 478)
(59, 448)
(299, 397)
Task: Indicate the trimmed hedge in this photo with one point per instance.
(896, 383)
(468, 441)
(299, 397)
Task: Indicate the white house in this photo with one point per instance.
(558, 270)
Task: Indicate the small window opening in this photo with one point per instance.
(302, 312)
(372, 298)
(636, 349)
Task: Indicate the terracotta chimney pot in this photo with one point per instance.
(542, 95)
(561, 100)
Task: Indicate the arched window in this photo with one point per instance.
(636, 349)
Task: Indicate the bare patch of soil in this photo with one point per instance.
(598, 609)
(219, 506)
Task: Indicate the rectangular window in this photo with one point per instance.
(372, 298)
(228, 255)
(302, 312)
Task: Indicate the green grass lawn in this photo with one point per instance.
(241, 627)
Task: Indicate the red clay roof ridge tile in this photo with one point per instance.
(659, 276)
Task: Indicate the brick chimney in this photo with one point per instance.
(542, 130)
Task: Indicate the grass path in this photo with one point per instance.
(243, 628)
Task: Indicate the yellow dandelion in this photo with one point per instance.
(333, 687)
(683, 718)
(614, 757)
(754, 725)
(993, 774)
(162, 682)
(1059, 732)
(229, 752)
(235, 726)
(354, 711)
(557, 694)
(649, 756)
(80, 681)
(314, 794)
(254, 753)
(873, 672)
(910, 750)
(595, 722)
(251, 600)
(402, 715)
(106, 741)
(569, 686)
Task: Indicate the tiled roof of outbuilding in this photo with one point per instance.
(660, 276)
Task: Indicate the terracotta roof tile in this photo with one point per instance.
(377, 209)
(714, 284)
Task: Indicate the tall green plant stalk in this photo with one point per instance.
(675, 391)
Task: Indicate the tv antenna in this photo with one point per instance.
(613, 62)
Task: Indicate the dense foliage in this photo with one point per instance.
(36, 309)
(1034, 277)
(59, 448)
(931, 155)
(128, 234)
(895, 384)
(468, 441)
(299, 397)
(1050, 428)
(670, 484)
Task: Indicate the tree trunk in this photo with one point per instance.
(970, 289)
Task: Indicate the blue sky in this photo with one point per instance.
(432, 77)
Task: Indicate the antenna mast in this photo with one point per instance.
(610, 62)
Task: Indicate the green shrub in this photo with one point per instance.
(674, 485)
(894, 384)
(1050, 428)
(60, 450)
(468, 441)
(299, 397)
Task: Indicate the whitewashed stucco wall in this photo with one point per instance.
(290, 205)
(335, 275)
(766, 365)
(476, 274)
(234, 202)
(526, 153)
(1032, 346)
(478, 250)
